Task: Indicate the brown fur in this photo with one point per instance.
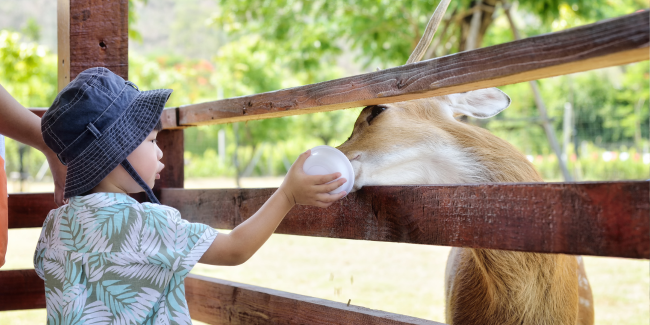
(486, 286)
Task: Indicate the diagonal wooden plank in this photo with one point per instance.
(600, 218)
(606, 43)
(216, 301)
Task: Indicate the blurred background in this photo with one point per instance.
(212, 49)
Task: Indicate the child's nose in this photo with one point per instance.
(159, 153)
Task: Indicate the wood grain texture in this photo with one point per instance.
(21, 289)
(169, 119)
(217, 301)
(29, 209)
(99, 36)
(63, 43)
(607, 43)
(602, 219)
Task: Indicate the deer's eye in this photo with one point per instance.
(376, 110)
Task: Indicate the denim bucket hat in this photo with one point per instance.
(95, 122)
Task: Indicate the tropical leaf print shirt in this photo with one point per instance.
(107, 259)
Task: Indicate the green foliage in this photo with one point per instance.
(32, 30)
(28, 70)
(275, 44)
(610, 108)
(29, 74)
(596, 164)
(308, 35)
(133, 17)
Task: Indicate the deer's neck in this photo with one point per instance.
(505, 287)
(497, 159)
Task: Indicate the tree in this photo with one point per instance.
(308, 35)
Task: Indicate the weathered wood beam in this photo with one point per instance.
(602, 219)
(99, 36)
(217, 301)
(169, 119)
(63, 43)
(21, 289)
(28, 210)
(606, 43)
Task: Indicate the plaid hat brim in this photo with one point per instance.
(119, 141)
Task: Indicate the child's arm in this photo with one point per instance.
(298, 188)
(22, 125)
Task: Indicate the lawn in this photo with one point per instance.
(399, 278)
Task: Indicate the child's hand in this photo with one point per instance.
(304, 189)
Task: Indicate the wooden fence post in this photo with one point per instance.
(95, 33)
(97, 36)
(172, 176)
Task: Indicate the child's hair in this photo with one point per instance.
(158, 126)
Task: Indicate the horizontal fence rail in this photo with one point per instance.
(599, 218)
(606, 43)
(603, 44)
(603, 219)
(28, 210)
(217, 301)
(21, 289)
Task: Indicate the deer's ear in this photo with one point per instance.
(482, 103)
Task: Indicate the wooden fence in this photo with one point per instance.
(597, 218)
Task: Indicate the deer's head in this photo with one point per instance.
(421, 142)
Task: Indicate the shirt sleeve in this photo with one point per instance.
(182, 243)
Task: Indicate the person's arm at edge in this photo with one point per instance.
(242, 242)
(20, 124)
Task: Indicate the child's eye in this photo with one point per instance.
(154, 141)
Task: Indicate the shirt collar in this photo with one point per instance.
(102, 199)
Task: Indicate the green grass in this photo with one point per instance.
(399, 278)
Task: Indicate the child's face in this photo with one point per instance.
(145, 159)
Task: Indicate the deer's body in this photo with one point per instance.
(420, 142)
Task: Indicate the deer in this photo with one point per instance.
(423, 141)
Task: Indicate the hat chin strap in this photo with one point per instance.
(129, 169)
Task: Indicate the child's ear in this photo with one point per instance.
(482, 103)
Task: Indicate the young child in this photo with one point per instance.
(106, 258)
